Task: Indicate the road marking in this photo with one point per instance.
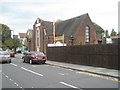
(6, 76)
(61, 73)
(13, 64)
(70, 69)
(10, 79)
(20, 87)
(15, 83)
(33, 66)
(100, 76)
(31, 71)
(68, 85)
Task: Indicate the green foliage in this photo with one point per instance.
(113, 33)
(106, 34)
(6, 33)
(12, 43)
(8, 44)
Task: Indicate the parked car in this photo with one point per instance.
(12, 53)
(1, 49)
(34, 57)
(4, 57)
(24, 52)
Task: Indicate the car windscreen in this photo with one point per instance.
(39, 54)
(11, 51)
(4, 53)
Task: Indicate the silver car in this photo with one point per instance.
(4, 57)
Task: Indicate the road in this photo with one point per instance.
(23, 75)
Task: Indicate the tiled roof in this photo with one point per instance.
(22, 35)
(67, 27)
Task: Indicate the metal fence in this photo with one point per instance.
(102, 55)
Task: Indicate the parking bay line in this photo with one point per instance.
(13, 64)
(68, 85)
(31, 71)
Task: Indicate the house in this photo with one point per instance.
(77, 31)
(23, 39)
(15, 36)
(29, 39)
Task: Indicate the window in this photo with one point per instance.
(87, 34)
(38, 37)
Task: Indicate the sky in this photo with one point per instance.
(20, 15)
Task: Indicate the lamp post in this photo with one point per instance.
(71, 39)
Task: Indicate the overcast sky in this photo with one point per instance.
(20, 15)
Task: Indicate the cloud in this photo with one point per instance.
(21, 14)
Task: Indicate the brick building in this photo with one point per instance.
(30, 43)
(77, 31)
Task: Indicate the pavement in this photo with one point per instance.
(89, 69)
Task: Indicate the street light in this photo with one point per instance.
(71, 39)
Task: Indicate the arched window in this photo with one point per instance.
(38, 37)
(87, 34)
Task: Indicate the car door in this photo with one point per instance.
(29, 57)
(25, 57)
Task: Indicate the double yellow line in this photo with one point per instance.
(100, 76)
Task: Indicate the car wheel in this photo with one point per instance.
(10, 61)
(31, 62)
(23, 61)
(43, 62)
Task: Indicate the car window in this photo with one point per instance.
(29, 53)
(0, 49)
(4, 53)
(39, 54)
(11, 51)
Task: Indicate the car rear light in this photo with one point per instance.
(33, 57)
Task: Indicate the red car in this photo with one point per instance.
(34, 57)
(12, 54)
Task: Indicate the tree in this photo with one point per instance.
(17, 43)
(8, 44)
(6, 33)
(113, 33)
(106, 34)
(12, 43)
